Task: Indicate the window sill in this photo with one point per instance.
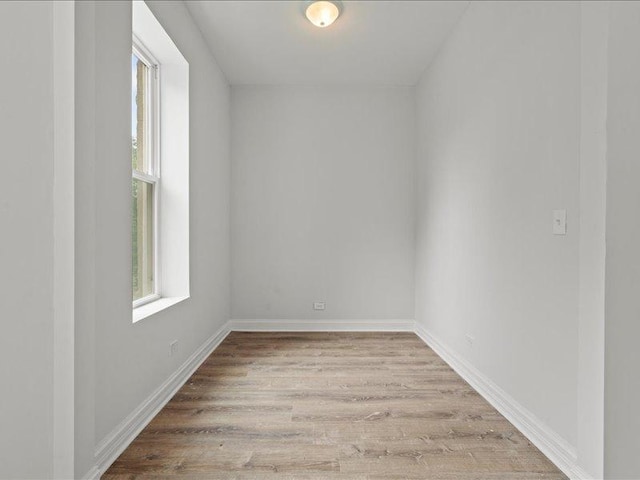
(148, 309)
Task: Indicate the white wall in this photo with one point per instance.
(593, 166)
(85, 227)
(26, 240)
(498, 128)
(322, 202)
(120, 363)
(622, 302)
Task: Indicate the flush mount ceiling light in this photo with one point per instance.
(323, 13)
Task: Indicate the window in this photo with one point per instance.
(160, 167)
(145, 182)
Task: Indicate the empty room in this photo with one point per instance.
(316, 240)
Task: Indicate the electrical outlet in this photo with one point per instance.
(172, 347)
(470, 339)
(318, 305)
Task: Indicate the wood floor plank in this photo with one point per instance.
(357, 406)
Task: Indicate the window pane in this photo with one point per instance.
(139, 105)
(142, 239)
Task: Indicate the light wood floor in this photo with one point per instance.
(329, 406)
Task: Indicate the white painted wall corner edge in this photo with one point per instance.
(554, 447)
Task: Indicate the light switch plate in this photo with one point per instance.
(318, 305)
(559, 222)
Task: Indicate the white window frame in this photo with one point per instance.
(172, 149)
(152, 140)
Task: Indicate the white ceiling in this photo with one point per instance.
(373, 42)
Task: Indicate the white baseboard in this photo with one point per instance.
(556, 449)
(93, 474)
(579, 474)
(561, 453)
(108, 450)
(333, 325)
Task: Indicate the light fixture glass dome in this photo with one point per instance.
(323, 13)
